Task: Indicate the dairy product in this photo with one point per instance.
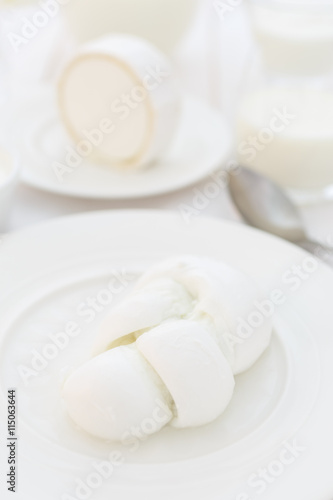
(119, 101)
(192, 367)
(287, 134)
(295, 37)
(113, 392)
(174, 345)
(224, 299)
(143, 309)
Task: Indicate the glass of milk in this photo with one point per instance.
(9, 174)
(295, 36)
(286, 132)
(284, 123)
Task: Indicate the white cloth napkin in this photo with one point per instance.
(215, 53)
(33, 45)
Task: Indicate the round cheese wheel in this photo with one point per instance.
(119, 102)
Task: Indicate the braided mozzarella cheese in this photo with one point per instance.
(114, 392)
(192, 367)
(174, 343)
(226, 298)
(144, 308)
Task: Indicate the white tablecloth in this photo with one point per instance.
(32, 206)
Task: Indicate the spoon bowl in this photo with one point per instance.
(264, 205)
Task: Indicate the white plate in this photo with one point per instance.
(201, 146)
(285, 400)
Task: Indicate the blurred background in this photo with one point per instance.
(265, 65)
(210, 45)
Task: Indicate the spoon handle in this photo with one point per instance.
(321, 251)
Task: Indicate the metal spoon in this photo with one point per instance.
(264, 205)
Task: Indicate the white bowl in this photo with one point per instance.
(9, 174)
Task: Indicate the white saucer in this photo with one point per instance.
(285, 402)
(201, 146)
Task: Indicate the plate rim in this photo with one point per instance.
(171, 216)
(32, 180)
